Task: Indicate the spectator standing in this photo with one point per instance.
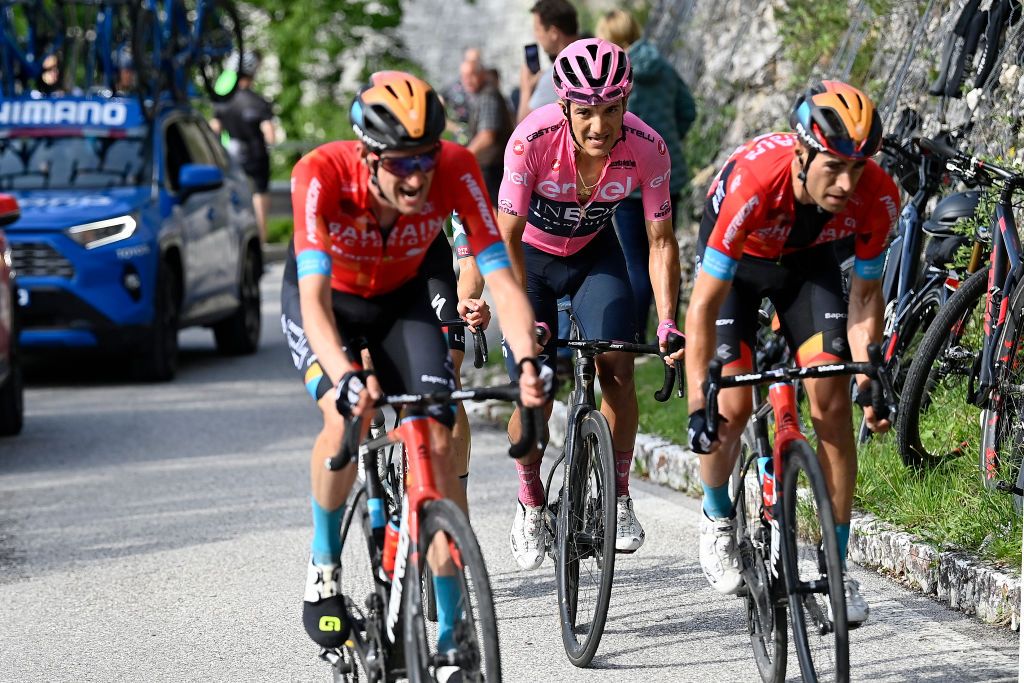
(248, 119)
(555, 25)
(456, 100)
(489, 125)
(663, 100)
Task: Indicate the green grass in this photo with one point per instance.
(279, 229)
(946, 505)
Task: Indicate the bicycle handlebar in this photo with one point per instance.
(881, 384)
(968, 167)
(479, 341)
(532, 419)
(673, 373)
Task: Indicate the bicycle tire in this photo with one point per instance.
(148, 56)
(824, 655)
(910, 331)
(1002, 430)
(942, 355)
(220, 36)
(766, 614)
(477, 635)
(586, 509)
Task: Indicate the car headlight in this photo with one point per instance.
(92, 235)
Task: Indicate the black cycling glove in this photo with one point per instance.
(700, 437)
(346, 394)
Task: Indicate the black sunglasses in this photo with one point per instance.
(405, 166)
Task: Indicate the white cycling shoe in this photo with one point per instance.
(629, 535)
(528, 537)
(857, 609)
(719, 556)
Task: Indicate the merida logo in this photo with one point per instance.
(63, 112)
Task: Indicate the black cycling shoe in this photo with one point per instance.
(323, 607)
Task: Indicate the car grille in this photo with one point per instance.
(38, 259)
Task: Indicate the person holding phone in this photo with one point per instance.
(555, 26)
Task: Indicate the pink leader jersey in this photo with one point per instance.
(540, 180)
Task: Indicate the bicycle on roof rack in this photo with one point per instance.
(31, 40)
(179, 43)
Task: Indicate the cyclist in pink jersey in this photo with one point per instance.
(567, 166)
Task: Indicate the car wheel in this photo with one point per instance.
(240, 334)
(157, 359)
(12, 406)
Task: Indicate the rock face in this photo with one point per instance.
(438, 31)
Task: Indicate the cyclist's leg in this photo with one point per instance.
(813, 314)
(600, 292)
(443, 292)
(323, 608)
(412, 356)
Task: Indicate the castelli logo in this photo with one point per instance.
(661, 147)
(518, 147)
(555, 164)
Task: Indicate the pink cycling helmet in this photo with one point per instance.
(592, 71)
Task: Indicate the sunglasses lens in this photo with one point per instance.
(406, 166)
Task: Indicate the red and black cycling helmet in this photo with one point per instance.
(838, 119)
(397, 111)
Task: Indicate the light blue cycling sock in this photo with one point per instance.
(326, 534)
(843, 537)
(716, 500)
(446, 593)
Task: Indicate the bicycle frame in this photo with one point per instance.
(11, 53)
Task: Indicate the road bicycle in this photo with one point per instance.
(971, 356)
(785, 528)
(390, 636)
(580, 517)
(171, 39)
(31, 40)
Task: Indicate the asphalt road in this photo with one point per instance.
(160, 533)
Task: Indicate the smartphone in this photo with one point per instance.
(532, 57)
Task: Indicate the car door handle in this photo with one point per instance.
(210, 213)
(235, 199)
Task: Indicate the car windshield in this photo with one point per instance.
(72, 162)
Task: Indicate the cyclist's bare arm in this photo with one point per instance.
(863, 327)
(512, 228)
(664, 270)
(517, 324)
(705, 301)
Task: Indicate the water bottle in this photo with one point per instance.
(766, 473)
(387, 561)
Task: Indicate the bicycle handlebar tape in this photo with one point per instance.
(878, 403)
(528, 434)
(479, 349)
(675, 342)
(711, 394)
(938, 147)
(349, 447)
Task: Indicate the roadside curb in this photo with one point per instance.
(956, 579)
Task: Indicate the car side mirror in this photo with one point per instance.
(194, 178)
(9, 210)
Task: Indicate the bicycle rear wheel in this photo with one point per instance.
(220, 43)
(476, 630)
(585, 550)
(766, 612)
(810, 555)
(1002, 435)
(936, 420)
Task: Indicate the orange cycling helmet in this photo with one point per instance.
(397, 111)
(839, 119)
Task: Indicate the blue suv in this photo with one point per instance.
(130, 229)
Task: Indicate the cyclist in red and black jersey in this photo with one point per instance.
(771, 222)
(366, 213)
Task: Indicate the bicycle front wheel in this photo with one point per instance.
(445, 533)
(814, 575)
(1002, 435)
(585, 545)
(936, 419)
(219, 43)
(766, 612)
